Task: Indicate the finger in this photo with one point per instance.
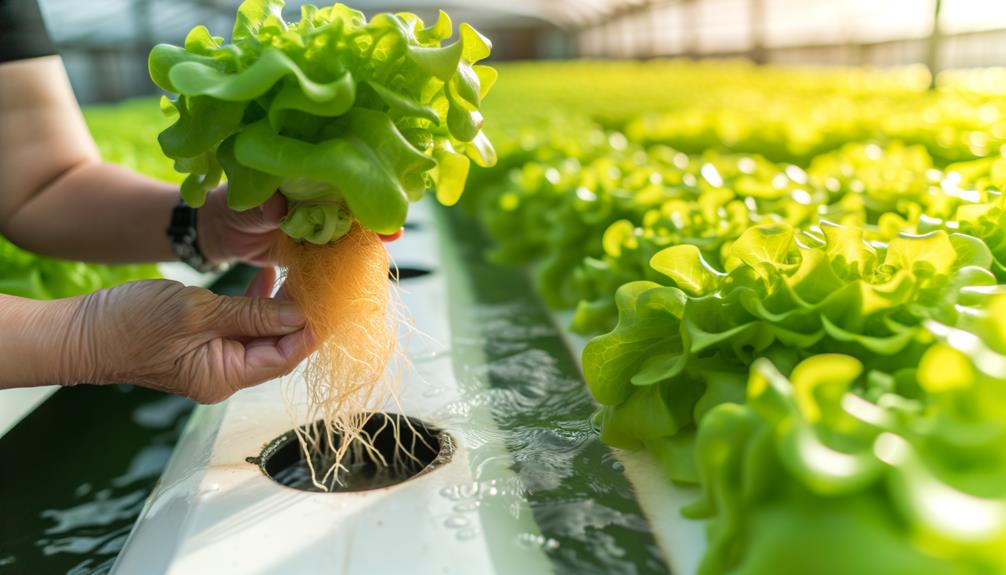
(298, 345)
(262, 342)
(392, 237)
(268, 252)
(255, 317)
(269, 358)
(273, 210)
(262, 284)
(264, 218)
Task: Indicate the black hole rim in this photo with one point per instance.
(284, 451)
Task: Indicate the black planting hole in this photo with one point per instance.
(402, 273)
(405, 447)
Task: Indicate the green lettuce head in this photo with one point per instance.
(349, 119)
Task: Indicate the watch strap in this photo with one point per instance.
(183, 235)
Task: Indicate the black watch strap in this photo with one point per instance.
(183, 234)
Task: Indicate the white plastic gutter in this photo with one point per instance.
(213, 512)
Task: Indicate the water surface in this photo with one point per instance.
(511, 361)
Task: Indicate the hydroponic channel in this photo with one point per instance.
(529, 488)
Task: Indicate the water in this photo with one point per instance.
(76, 473)
(409, 448)
(77, 470)
(515, 370)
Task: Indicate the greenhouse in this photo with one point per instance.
(710, 287)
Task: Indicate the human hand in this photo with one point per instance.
(249, 236)
(184, 340)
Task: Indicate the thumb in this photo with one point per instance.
(274, 210)
(270, 357)
(256, 317)
(264, 218)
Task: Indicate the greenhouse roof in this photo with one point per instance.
(114, 22)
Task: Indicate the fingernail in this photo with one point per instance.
(290, 315)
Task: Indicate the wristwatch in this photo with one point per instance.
(183, 234)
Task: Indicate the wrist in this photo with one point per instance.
(208, 233)
(192, 241)
(47, 343)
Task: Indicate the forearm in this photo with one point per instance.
(158, 334)
(35, 342)
(97, 212)
(56, 196)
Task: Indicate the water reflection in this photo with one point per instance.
(522, 389)
(94, 454)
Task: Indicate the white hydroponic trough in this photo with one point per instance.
(213, 512)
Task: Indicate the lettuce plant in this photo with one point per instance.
(350, 119)
(858, 326)
(921, 477)
(785, 295)
(808, 475)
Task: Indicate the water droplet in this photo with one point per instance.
(617, 466)
(470, 490)
(493, 491)
(456, 522)
(450, 492)
(533, 541)
(468, 534)
(527, 540)
(467, 506)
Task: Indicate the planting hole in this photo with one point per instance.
(402, 273)
(403, 448)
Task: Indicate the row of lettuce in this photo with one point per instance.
(792, 280)
(126, 135)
